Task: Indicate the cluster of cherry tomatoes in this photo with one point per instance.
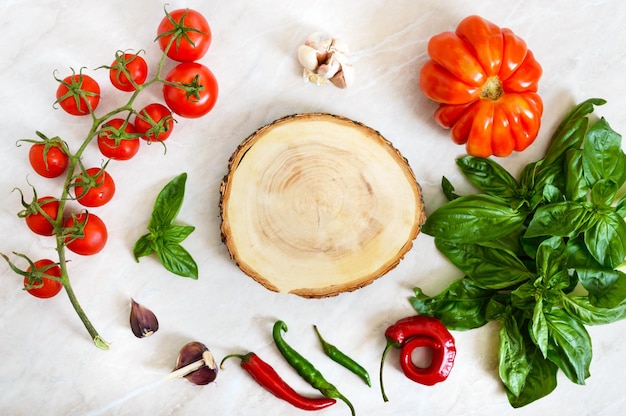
(189, 90)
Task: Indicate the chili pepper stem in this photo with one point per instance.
(380, 373)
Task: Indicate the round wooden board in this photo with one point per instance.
(317, 204)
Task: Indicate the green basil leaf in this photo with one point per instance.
(569, 345)
(563, 219)
(576, 188)
(168, 203)
(524, 298)
(540, 381)
(603, 193)
(539, 328)
(570, 131)
(513, 366)
(606, 239)
(177, 260)
(460, 306)
(473, 219)
(603, 157)
(581, 308)
(552, 263)
(488, 176)
(143, 247)
(620, 208)
(569, 135)
(448, 189)
(489, 268)
(607, 288)
(176, 233)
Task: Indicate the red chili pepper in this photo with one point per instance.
(420, 331)
(268, 378)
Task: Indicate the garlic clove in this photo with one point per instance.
(343, 78)
(143, 322)
(340, 46)
(320, 41)
(330, 68)
(308, 57)
(194, 352)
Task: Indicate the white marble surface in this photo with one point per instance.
(49, 365)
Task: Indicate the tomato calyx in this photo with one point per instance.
(157, 129)
(121, 74)
(76, 230)
(85, 181)
(118, 134)
(35, 206)
(492, 89)
(192, 89)
(33, 276)
(75, 90)
(48, 143)
(179, 31)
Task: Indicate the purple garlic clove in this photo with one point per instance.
(143, 321)
(198, 357)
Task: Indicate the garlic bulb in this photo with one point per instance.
(325, 58)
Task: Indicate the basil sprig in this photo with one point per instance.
(164, 236)
(541, 254)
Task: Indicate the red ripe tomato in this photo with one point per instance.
(125, 68)
(100, 188)
(187, 34)
(46, 288)
(78, 94)
(485, 81)
(154, 122)
(94, 236)
(116, 142)
(37, 222)
(197, 91)
(48, 160)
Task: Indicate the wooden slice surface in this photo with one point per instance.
(317, 204)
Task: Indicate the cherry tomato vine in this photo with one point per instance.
(117, 134)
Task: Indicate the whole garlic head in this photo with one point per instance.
(325, 58)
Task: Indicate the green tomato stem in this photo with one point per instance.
(74, 161)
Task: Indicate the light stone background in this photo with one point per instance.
(50, 367)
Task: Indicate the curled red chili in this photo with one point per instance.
(268, 378)
(418, 331)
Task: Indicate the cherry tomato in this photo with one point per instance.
(94, 237)
(78, 94)
(117, 143)
(154, 122)
(188, 32)
(125, 68)
(197, 93)
(40, 224)
(47, 288)
(48, 160)
(101, 190)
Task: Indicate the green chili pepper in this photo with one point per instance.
(304, 368)
(342, 359)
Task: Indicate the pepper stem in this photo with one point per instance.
(380, 374)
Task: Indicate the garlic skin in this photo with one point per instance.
(324, 59)
(143, 322)
(194, 353)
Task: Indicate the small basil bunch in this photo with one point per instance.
(525, 245)
(164, 236)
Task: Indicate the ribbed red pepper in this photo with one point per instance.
(413, 332)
